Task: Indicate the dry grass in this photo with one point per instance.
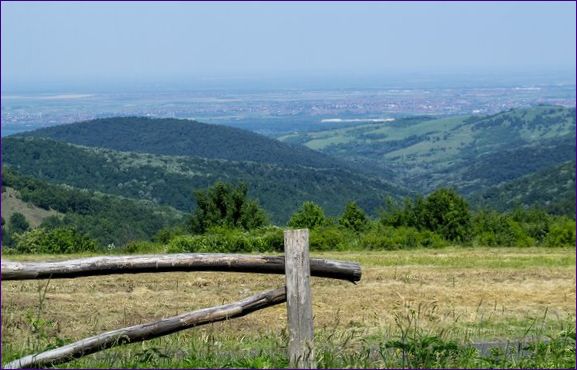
(480, 300)
(11, 203)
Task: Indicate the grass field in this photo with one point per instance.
(443, 308)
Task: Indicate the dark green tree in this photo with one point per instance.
(447, 213)
(443, 211)
(17, 223)
(226, 205)
(354, 217)
(310, 215)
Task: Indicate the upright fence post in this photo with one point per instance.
(299, 303)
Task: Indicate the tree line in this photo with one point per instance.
(226, 219)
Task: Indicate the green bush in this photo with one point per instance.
(493, 229)
(228, 206)
(443, 211)
(328, 238)
(389, 238)
(310, 216)
(59, 240)
(447, 214)
(224, 240)
(354, 218)
(18, 223)
(561, 233)
(166, 234)
(535, 222)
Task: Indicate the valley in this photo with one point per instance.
(469, 153)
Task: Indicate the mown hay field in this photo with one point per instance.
(463, 295)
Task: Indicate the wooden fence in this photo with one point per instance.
(296, 265)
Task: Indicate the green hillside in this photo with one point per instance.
(12, 203)
(105, 218)
(184, 138)
(552, 189)
(468, 152)
(170, 180)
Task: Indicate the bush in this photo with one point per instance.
(310, 216)
(492, 229)
(228, 206)
(166, 234)
(561, 233)
(354, 218)
(443, 211)
(389, 238)
(328, 238)
(59, 240)
(447, 214)
(535, 222)
(18, 223)
(224, 240)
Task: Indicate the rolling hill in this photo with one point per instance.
(184, 138)
(552, 189)
(466, 152)
(171, 180)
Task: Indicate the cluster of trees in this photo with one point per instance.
(103, 218)
(441, 218)
(226, 219)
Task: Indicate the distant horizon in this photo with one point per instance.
(103, 45)
(306, 81)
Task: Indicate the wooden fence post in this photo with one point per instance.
(299, 303)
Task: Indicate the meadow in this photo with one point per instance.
(450, 307)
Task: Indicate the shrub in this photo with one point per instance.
(443, 211)
(166, 234)
(535, 222)
(389, 238)
(224, 240)
(493, 229)
(354, 218)
(310, 216)
(561, 233)
(59, 240)
(226, 205)
(328, 238)
(18, 223)
(447, 214)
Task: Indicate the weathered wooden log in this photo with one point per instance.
(139, 333)
(109, 265)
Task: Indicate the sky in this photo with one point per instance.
(127, 42)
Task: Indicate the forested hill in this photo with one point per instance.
(171, 180)
(469, 153)
(552, 189)
(184, 138)
(103, 217)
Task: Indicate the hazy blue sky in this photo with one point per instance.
(106, 42)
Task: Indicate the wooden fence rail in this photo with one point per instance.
(139, 333)
(296, 265)
(110, 265)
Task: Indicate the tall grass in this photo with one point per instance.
(411, 343)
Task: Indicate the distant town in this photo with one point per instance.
(23, 112)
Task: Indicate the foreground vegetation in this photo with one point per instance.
(226, 219)
(455, 307)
